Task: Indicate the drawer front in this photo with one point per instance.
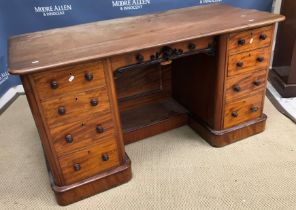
(249, 61)
(146, 55)
(64, 110)
(250, 40)
(82, 133)
(243, 110)
(244, 85)
(89, 162)
(69, 80)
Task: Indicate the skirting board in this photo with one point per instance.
(287, 106)
(10, 96)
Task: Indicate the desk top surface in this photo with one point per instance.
(57, 47)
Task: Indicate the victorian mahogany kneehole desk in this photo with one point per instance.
(95, 87)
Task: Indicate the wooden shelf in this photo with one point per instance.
(152, 119)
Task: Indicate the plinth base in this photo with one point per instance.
(75, 192)
(224, 137)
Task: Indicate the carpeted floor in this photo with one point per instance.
(174, 170)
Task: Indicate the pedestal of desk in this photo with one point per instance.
(66, 195)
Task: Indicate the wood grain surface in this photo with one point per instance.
(243, 109)
(70, 80)
(90, 161)
(249, 60)
(42, 50)
(251, 38)
(246, 84)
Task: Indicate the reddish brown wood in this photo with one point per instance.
(89, 161)
(243, 110)
(142, 86)
(251, 38)
(242, 85)
(73, 105)
(42, 130)
(70, 79)
(152, 119)
(30, 53)
(221, 138)
(115, 111)
(85, 114)
(83, 133)
(249, 61)
(194, 84)
(66, 195)
(130, 58)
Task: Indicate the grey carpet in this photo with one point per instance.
(174, 170)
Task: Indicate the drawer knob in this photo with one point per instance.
(94, 102)
(263, 36)
(234, 114)
(191, 46)
(240, 64)
(88, 76)
(152, 57)
(236, 88)
(54, 84)
(69, 138)
(105, 157)
(139, 58)
(77, 167)
(99, 129)
(241, 42)
(257, 82)
(254, 109)
(260, 59)
(62, 110)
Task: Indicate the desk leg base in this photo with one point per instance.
(225, 137)
(75, 192)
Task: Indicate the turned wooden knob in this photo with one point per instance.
(139, 58)
(88, 76)
(257, 82)
(236, 88)
(105, 157)
(54, 84)
(234, 114)
(260, 59)
(152, 57)
(241, 42)
(62, 110)
(240, 64)
(254, 109)
(69, 138)
(191, 46)
(99, 129)
(94, 102)
(77, 167)
(263, 36)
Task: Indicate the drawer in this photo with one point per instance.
(63, 110)
(89, 162)
(147, 54)
(63, 81)
(244, 85)
(243, 110)
(82, 133)
(250, 40)
(249, 61)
